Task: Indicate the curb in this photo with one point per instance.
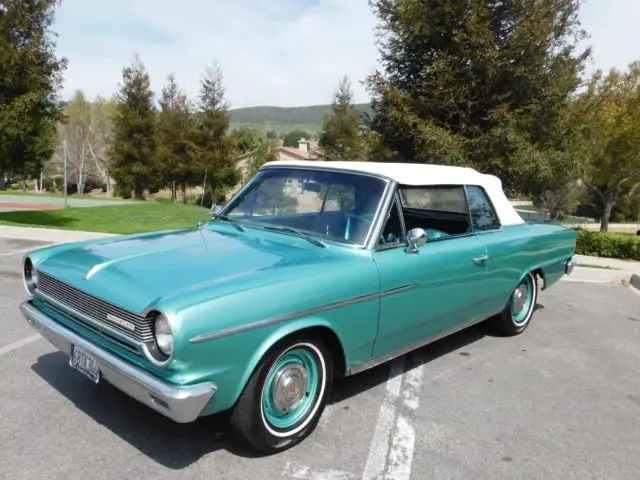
(635, 281)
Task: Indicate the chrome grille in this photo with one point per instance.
(96, 309)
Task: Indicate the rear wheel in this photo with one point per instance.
(517, 314)
(285, 396)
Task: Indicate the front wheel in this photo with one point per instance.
(517, 314)
(284, 398)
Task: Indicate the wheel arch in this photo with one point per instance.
(309, 328)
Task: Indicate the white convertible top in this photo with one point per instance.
(417, 174)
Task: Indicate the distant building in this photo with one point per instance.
(307, 150)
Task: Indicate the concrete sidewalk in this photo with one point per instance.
(50, 235)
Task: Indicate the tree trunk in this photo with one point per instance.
(173, 192)
(606, 215)
(184, 192)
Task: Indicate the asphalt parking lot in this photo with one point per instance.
(561, 401)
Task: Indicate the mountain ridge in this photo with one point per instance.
(285, 119)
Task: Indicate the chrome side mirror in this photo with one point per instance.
(215, 210)
(416, 238)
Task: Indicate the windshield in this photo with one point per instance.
(336, 206)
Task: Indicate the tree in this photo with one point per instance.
(475, 83)
(608, 115)
(292, 138)
(76, 130)
(176, 147)
(265, 151)
(133, 144)
(341, 138)
(102, 118)
(245, 139)
(30, 78)
(214, 147)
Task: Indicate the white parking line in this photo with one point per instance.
(304, 472)
(20, 343)
(403, 438)
(394, 436)
(376, 460)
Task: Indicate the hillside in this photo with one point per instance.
(284, 119)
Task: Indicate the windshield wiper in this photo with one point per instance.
(305, 235)
(227, 219)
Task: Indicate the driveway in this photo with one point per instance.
(561, 401)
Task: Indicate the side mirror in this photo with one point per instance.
(216, 209)
(416, 238)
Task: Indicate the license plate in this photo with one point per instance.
(82, 361)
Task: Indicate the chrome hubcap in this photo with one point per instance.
(519, 297)
(289, 387)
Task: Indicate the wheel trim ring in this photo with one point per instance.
(314, 400)
(286, 367)
(521, 316)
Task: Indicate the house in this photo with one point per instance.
(306, 150)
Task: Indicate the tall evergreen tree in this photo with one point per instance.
(215, 148)
(133, 144)
(30, 78)
(480, 83)
(341, 138)
(176, 147)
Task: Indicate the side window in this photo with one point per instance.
(392, 232)
(483, 216)
(435, 198)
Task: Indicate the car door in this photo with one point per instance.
(430, 293)
(502, 246)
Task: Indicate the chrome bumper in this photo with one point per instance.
(570, 265)
(181, 404)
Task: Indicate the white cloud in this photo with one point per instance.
(271, 52)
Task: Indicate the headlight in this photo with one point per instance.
(30, 276)
(164, 337)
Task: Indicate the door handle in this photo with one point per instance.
(481, 260)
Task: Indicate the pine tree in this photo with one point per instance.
(30, 78)
(215, 148)
(133, 144)
(480, 83)
(176, 147)
(341, 138)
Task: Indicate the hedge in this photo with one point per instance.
(605, 244)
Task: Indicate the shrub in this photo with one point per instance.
(605, 244)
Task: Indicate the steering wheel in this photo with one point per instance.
(349, 216)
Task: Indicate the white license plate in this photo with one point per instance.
(82, 361)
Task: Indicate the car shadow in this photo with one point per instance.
(177, 446)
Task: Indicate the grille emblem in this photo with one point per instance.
(121, 322)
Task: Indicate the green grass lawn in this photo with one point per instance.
(143, 217)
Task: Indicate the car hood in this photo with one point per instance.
(136, 272)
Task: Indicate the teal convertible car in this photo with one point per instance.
(312, 271)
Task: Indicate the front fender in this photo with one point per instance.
(273, 338)
(240, 354)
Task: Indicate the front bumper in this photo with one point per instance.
(181, 404)
(570, 265)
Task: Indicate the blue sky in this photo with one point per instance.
(271, 52)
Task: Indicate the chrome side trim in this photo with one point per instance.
(180, 403)
(374, 362)
(206, 337)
